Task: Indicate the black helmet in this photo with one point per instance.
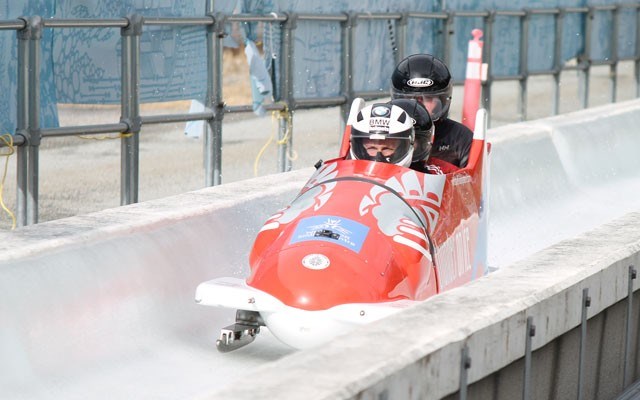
(422, 125)
(423, 77)
(382, 132)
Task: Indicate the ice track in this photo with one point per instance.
(101, 305)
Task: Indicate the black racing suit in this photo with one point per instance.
(452, 142)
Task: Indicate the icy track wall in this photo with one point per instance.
(85, 301)
(88, 304)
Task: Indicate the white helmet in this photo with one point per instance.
(383, 132)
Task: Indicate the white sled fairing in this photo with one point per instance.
(297, 328)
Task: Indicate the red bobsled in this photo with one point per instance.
(362, 240)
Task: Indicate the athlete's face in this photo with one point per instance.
(430, 103)
(385, 147)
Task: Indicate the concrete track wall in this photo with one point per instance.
(101, 305)
(603, 368)
(91, 297)
(417, 354)
(546, 173)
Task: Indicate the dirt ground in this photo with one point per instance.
(79, 175)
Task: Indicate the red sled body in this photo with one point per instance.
(361, 241)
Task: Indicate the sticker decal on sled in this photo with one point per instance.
(327, 228)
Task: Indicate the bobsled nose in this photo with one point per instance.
(317, 278)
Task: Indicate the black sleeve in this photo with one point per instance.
(452, 142)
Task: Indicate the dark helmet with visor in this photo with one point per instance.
(383, 132)
(426, 79)
(422, 125)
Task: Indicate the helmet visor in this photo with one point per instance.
(433, 104)
(422, 145)
(390, 150)
(436, 102)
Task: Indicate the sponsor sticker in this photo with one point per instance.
(327, 228)
(316, 261)
(460, 179)
(380, 111)
(420, 82)
(380, 122)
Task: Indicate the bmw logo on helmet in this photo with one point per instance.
(420, 82)
(381, 111)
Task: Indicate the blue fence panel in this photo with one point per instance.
(8, 107)
(602, 26)
(505, 51)
(374, 55)
(505, 57)
(573, 38)
(9, 65)
(425, 36)
(317, 64)
(627, 37)
(173, 59)
(462, 27)
(601, 44)
(81, 65)
(317, 47)
(540, 54)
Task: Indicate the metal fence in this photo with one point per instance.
(29, 31)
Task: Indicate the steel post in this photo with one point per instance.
(401, 38)
(284, 141)
(130, 109)
(213, 134)
(28, 120)
(347, 29)
(22, 168)
(465, 364)
(585, 62)
(487, 58)
(586, 303)
(627, 340)
(526, 386)
(637, 55)
(613, 68)
(449, 31)
(557, 60)
(285, 133)
(22, 127)
(524, 60)
(35, 50)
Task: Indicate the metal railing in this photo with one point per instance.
(29, 30)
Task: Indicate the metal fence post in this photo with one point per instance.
(557, 60)
(613, 68)
(586, 303)
(22, 172)
(487, 55)
(213, 135)
(637, 55)
(585, 61)
(28, 121)
(531, 332)
(465, 364)
(348, 39)
(130, 109)
(627, 340)
(285, 134)
(449, 32)
(22, 123)
(401, 38)
(35, 50)
(524, 60)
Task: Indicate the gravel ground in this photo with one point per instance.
(79, 175)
